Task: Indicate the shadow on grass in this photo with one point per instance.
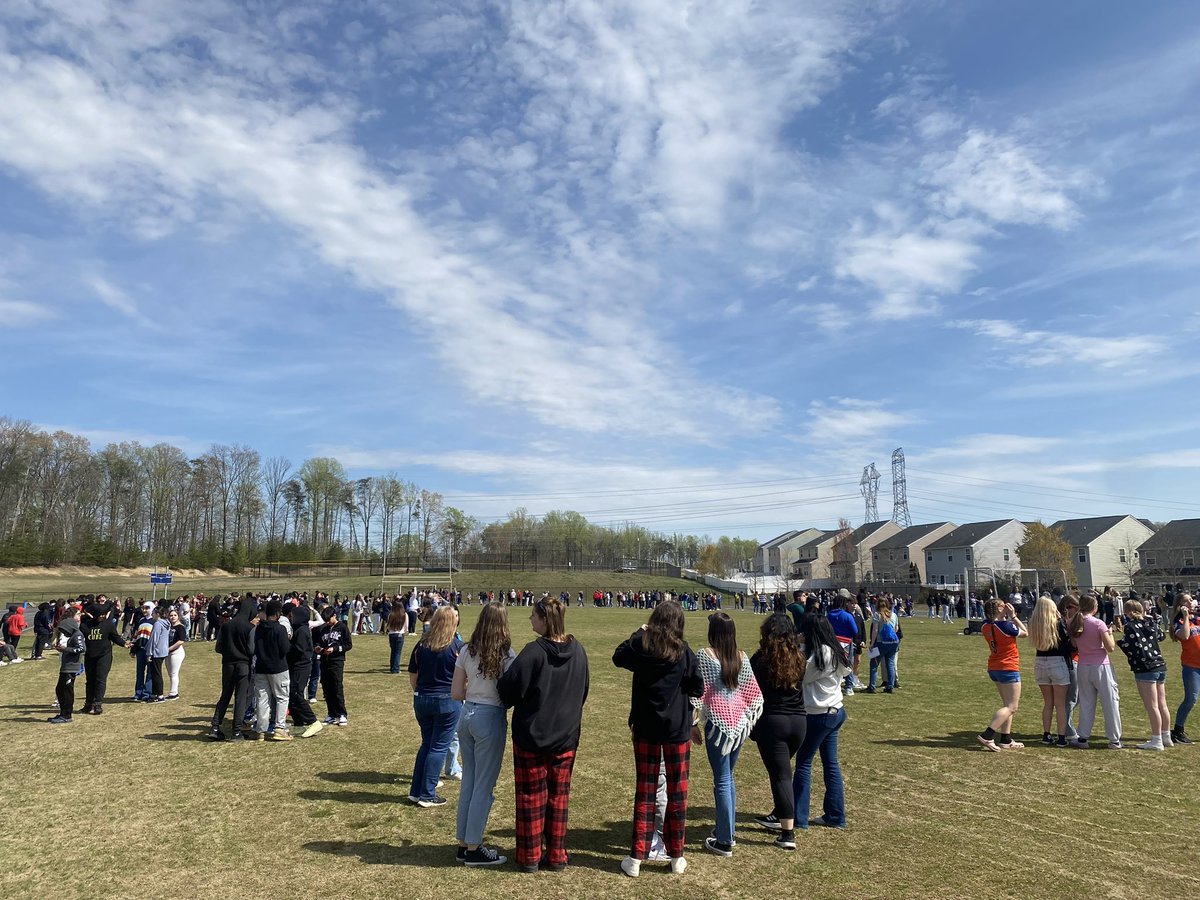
(351, 796)
(191, 735)
(441, 856)
(363, 777)
(956, 740)
(26, 707)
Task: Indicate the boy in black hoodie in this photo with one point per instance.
(546, 686)
(300, 656)
(332, 641)
(100, 633)
(271, 682)
(235, 644)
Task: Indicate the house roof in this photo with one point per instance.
(867, 529)
(906, 537)
(1180, 534)
(1080, 532)
(787, 535)
(968, 535)
(820, 539)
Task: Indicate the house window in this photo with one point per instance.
(1006, 554)
(1121, 555)
(941, 579)
(949, 557)
(1151, 559)
(968, 555)
(928, 557)
(1189, 557)
(1081, 554)
(906, 555)
(875, 555)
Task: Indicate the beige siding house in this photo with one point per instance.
(851, 562)
(814, 557)
(893, 560)
(1104, 549)
(1168, 557)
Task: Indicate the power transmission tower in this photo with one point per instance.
(900, 513)
(868, 485)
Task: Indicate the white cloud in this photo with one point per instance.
(997, 177)
(1036, 348)
(19, 313)
(848, 420)
(116, 299)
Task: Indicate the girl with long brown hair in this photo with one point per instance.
(778, 665)
(727, 711)
(665, 678)
(482, 730)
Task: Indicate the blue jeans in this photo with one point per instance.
(315, 678)
(724, 789)
(482, 733)
(1191, 687)
(887, 659)
(452, 766)
(396, 639)
(437, 714)
(141, 681)
(821, 735)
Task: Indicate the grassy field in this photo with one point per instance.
(136, 803)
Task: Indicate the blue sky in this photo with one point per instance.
(693, 265)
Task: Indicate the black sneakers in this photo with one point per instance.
(484, 856)
(435, 800)
(771, 823)
(786, 840)
(1179, 736)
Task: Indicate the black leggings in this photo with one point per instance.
(65, 692)
(96, 670)
(779, 738)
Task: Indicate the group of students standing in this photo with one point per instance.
(787, 698)
(1073, 669)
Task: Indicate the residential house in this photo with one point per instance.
(1104, 549)
(813, 558)
(851, 562)
(978, 545)
(1168, 556)
(900, 559)
(776, 555)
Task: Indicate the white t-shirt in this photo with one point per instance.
(480, 689)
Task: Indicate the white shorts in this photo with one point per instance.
(1051, 670)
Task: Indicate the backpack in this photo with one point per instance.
(886, 633)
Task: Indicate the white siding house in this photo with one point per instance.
(977, 545)
(1104, 549)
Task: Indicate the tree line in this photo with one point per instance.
(63, 502)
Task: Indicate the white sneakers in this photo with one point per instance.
(633, 867)
(313, 729)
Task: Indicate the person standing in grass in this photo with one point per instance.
(482, 730)
(1052, 668)
(43, 629)
(1001, 631)
(1139, 642)
(299, 659)
(1185, 630)
(235, 644)
(332, 641)
(727, 712)
(175, 653)
(70, 644)
(272, 684)
(546, 687)
(885, 643)
(1096, 679)
(397, 630)
(100, 636)
(825, 666)
(431, 672)
(666, 677)
(778, 666)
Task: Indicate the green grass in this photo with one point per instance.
(135, 802)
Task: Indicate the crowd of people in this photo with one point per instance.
(1073, 636)
(787, 696)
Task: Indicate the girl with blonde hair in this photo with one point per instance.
(1140, 646)
(431, 672)
(1052, 667)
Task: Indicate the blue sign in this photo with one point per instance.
(160, 577)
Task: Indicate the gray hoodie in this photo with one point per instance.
(70, 659)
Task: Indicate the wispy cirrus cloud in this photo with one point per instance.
(18, 313)
(846, 419)
(1045, 348)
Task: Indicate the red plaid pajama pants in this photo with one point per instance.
(674, 758)
(543, 783)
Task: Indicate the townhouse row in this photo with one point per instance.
(1117, 551)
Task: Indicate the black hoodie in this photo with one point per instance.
(302, 639)
(546, 686)
(659, 710)
(235, 642)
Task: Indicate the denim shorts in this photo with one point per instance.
(1051, 670)
(1152, 677)
(1004, 677)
